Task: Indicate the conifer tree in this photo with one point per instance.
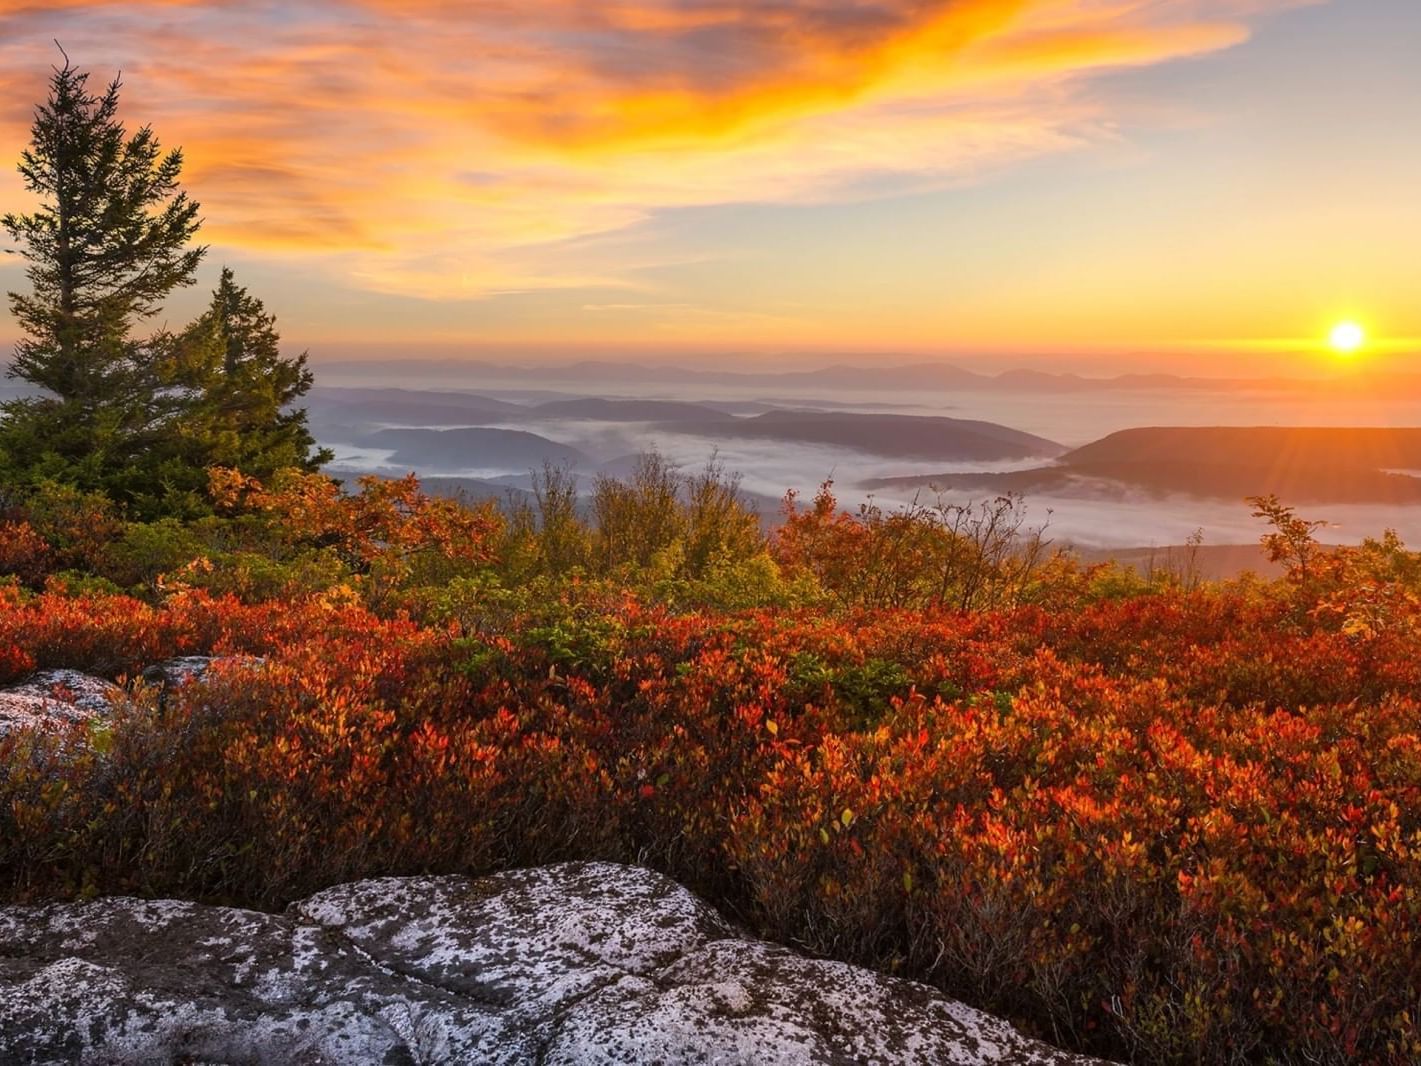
(110, 239)
(241, 414)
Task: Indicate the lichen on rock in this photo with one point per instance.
(56, 698)
(578, 963)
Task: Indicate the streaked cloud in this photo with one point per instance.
(448, 150)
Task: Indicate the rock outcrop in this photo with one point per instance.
(52, 698)
(578, 963)
(173, 672)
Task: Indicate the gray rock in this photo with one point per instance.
(52, 698)
(134, 981)
(173, 673)
(752, 1002)
(176, 671)
(578, 963)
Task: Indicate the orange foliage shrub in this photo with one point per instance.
(1179, 827)
(23, 552)
(384, 533)
(385, 518)
(968, 556)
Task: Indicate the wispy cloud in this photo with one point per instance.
(447, 149)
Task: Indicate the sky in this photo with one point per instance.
(1197, 185)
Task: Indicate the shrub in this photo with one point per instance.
(1160, 822)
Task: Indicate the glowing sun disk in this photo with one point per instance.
(1347, 337)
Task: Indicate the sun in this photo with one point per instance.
(1347, 338)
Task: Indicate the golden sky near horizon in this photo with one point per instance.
(1068, 176)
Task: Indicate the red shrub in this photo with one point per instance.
(1182, 827)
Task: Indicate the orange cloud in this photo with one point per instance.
(449, 149)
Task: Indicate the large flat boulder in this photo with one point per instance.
(577, 963)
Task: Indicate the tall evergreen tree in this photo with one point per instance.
(109, 241)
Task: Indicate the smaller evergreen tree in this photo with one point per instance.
(241, 389)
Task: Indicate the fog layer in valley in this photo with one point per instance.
(873, 443)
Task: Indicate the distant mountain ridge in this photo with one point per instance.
(1286, 446)
(1298, 464)
(898, 376)
(458, 431)
(472, 448)
(891, 436)
(618, 410)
